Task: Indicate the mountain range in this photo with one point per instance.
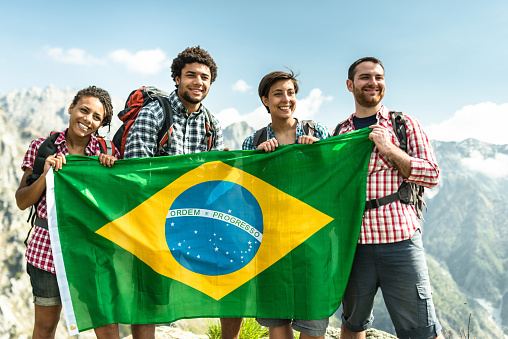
(465, 230)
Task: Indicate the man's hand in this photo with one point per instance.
(383, 141)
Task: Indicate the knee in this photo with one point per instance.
(45, 329)
(109, 331)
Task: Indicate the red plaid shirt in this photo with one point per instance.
(38, 252)
(396, 221)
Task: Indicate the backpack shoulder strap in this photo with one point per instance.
(260, 136)
(164, 135)
(211, 130)
(106, 146)
(103, 146)
(46, 149)
(399, 126)
(337, 129)
(408, 193)
(308, 127)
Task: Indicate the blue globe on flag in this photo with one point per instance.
(214, 228)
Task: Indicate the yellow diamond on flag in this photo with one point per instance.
(180, 238)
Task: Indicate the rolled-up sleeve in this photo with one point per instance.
(424, 168)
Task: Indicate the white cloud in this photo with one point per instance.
(241, 86)
(485, 121)
(496, 167)
(256, 119)
(74, 56)
(305, 109)
(144, 62)
(308, 107)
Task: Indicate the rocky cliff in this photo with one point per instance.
(465, 232)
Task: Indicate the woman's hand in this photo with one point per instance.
(55, 161)
(107, 160)
(269, 145)
(306, 139)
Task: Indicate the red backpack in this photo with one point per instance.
(142, 97)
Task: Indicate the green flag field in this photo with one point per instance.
(215, 234)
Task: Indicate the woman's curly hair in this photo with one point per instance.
(104, 98)
(191, 55)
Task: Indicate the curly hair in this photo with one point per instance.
(104, 98)
(271, 78)
(352, 69)
(189, 56)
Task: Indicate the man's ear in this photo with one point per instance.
(71, 107)
(177, 80)
(349, 85)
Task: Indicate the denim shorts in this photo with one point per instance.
(400, 270)
(314, 328)
(44, 286)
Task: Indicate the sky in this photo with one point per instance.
(444, 60)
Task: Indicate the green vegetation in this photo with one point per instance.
(250, 330)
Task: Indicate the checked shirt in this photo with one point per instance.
(188, 131)
(320, 132)
(396, 221)
(38, 252)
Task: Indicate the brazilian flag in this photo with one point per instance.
(215, 234)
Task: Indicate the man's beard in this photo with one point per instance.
(185, 95)
(368, 101)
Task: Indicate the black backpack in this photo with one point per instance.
(262, 134)
(141, 97)
(408, 193)
(46, 149)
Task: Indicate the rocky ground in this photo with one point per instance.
(164, 332)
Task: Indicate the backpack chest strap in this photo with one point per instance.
(41, 222)
(375, 203)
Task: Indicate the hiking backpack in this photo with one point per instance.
(262, 133)
(408, 193)
(141, 97)
(46, 149)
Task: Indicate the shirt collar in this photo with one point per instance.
(383, 113)
(89, 149)
(61, 138)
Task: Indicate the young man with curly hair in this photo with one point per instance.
(193, 71)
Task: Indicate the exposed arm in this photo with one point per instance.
(27, 196)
